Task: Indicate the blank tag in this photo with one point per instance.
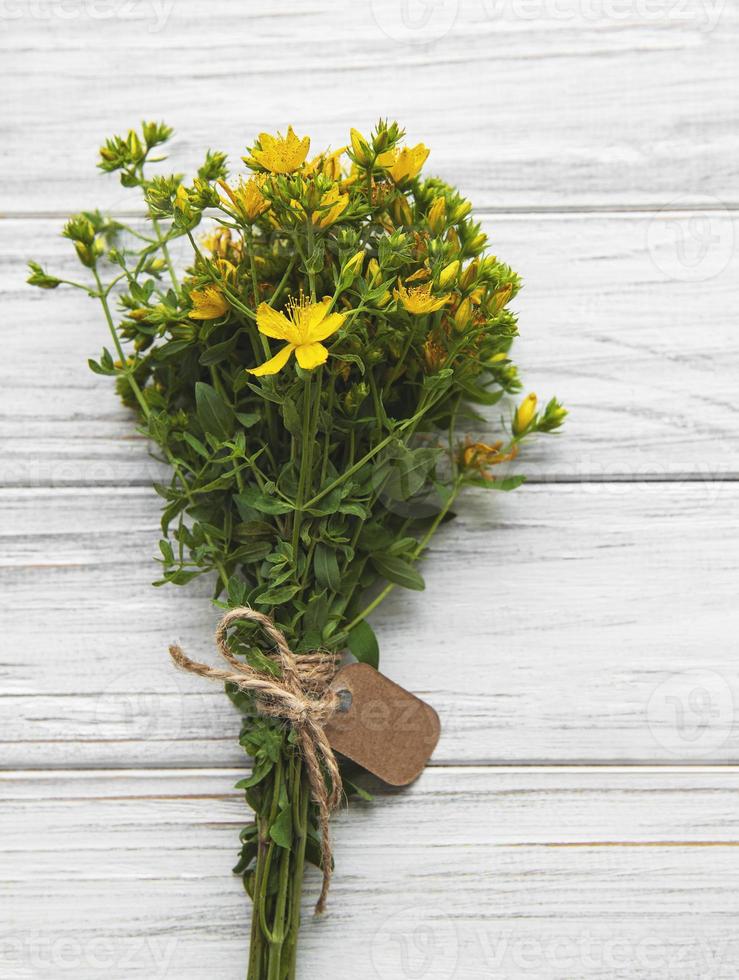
(381, 726)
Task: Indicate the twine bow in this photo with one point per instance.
(301, 696)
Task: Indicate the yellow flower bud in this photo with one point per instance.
(478, 242)
(134, 145)
(402, 212)
(461, 211)
(373, 268)
(469, 275)
(181, 199)
(477, 294)
(354, 265)
(524, 414)
(462, 316)
(85, 254)
(500, 298)
(437, 215)
(448, 274)
(359, 147)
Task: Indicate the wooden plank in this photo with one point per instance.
(525, 104)
(606, 322)
(564, 623)
(469, 873)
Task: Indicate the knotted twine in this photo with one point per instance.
(302, 696)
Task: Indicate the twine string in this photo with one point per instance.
(302, 696)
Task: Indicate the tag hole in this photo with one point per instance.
(345, 700)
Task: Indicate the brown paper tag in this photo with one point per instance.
(381, 726)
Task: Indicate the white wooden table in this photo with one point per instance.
(581, 816)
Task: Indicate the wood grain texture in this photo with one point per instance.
(467, 874)
(588, 618)
(610, 322)
(567, 623)
(525, 104)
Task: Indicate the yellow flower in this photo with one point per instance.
(434, 355)
(327, 164)
(524, 414)
(406, 163)
(418, 299)
(305, 326)
(421, 274)
(218, 242)
(247, 198)
(332, 206)
(226, 269)
(208, 303)
(477, 456)
(281, 154)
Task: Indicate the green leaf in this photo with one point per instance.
(351, 359)
(179, 577)
(352, 789)
(326, 568)
(262, 769)
(290, 417)
(253, 497)
(196, 444)
(276, 596)
(166, 549)
(363, 644)
(399, 571)
(171, 349)
(236, 591)
(215, 416)
(478, 395)
(328, 504)
(505, 484)
(403, 472)
(248, 853)
(270, 396)
(248, 419)
(218, 352)
(281, 830)
(98, 368)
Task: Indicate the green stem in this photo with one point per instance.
(304, 463)
(302, 803)
(281, 285)
(162, 242)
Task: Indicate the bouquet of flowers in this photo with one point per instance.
(309, 371)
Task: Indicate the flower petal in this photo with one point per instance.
(273, 324)
(274, 364)
(311, 355)
(313, 315)
(327, 326)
